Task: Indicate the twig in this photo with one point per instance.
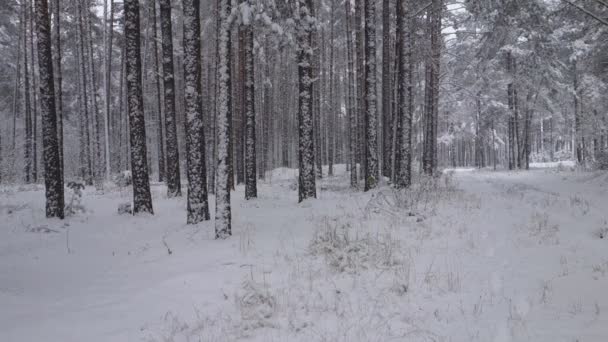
(589, 13)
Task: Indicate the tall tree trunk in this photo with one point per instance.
(16, 97)
(403, 131)
(250, 138)
(371, 112)
(53, 179)
(307, 187)
(27, 99)
(108, 34)
(360, 61)
(142, 199)
(34, 98)
(159, 106)
(352, 110)
(330, 126)
(198, 207)
(99, 169)
(173, 169)
(223, 215)
(58, 78)
(85, 152)
(578, 132)
(386, 86)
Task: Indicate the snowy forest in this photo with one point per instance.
(304, 170)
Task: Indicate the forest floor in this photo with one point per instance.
(474, 256)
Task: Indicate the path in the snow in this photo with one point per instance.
(505, 257)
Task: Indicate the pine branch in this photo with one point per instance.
(601, 2)
(589, 13)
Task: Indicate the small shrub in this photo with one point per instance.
(257, 305)
(75, 204)
(348, 252)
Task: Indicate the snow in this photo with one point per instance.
(482, 256)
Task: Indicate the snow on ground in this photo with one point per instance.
(480, 256)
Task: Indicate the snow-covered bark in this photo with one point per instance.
(162, 167)
(85, 134)
(173, 169)
(26, 101)
(56, 9)
(403, 118)
(306, 163)
(198, 207)
(95, 99)
(249, 97)
(142, 200)
(360, 62)
(352, 110)
(429, 159)
(53, 179)
(223, 215)
(371, 110)
(386, 86)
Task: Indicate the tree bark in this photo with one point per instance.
(198, 207)
(142, 199)
(249, 96)
(223, 214)
(371, 112)
(173, 168)
(307, 187)
(53, 179)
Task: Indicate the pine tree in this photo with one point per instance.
(352, 110)
(403, 119)
(53, 179)
(371, 110)
(223, 215)
(142, 199)
(306, 164)
(249, 97)
(198, 207)
(173, 169)
(159, 110)
(58, 77)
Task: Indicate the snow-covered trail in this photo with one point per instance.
(550, 264)
(506, 257)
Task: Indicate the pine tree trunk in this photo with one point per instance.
(331, 131)
(53, 179)
(108, 34)
(85, 152)
(580, 157)
(360, 61)
(16, 98)
(27, 100)
(403, 119)
(223, 215)
(99, 168)
(198, 207)
(352, 110)
(317, 100)
(58, 78)
(386, 86)
(250, 137)
(306, 186)
(159, 106)
(142, 199)
(371, 112)
(173, 168)
(34, 97)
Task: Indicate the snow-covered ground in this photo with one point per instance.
(481, 256)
